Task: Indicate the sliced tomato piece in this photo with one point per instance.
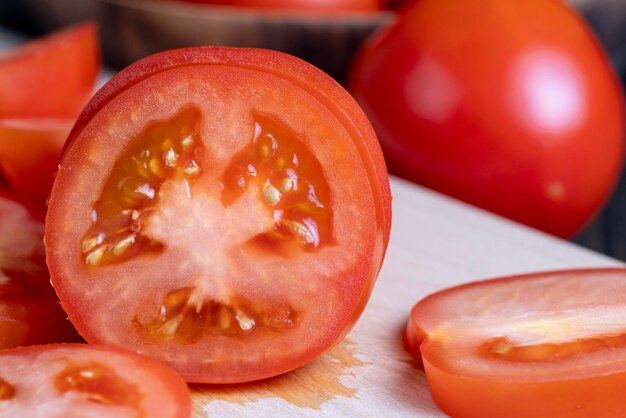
(29, 153)
(224, 210)
(80, 380)
(540, 345)
(51, 77)
(30, 312)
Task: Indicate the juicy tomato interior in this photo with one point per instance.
(73, 380)
(536, 345)
(30, 312)
(233, 231)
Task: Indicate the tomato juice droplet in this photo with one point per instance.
(99, 383)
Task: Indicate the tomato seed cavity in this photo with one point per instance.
(275, 161)
(502, 348)
(7, 391)
(178, 319)
(163, 150)
(99, 384)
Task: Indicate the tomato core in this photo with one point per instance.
(7, 391)
(99, 383)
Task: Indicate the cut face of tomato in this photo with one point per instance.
(29, 309)
(234, 206)
(51, 77)
(79, 380)
(29, 153)
(540, 345)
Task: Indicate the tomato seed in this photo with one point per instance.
(95, 257)
(271, 194)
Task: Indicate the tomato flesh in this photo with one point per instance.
(51, 77)
(547, 344)
(29, 309)
(232, 230)
(78, 380)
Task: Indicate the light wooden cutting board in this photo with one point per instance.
(436, 242)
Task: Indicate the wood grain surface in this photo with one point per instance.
(436, 242)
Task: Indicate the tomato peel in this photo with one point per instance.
(542, 344)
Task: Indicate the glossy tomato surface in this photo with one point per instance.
(301, 6)
(80, 380)
(224, 210)
(51, 77)
(29, 152)
(540, 345)
(30, 312)
(509, 105)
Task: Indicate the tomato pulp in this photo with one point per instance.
(80, 380)
(224, 210)
(509, 105)
(538, 345)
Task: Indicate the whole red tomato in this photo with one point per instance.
(510, 106)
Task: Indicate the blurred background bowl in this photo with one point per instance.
(132, 29)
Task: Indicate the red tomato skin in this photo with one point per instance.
(510, 106)
(51, 77)
(469, 396)
(464, 397)
(300, 6)
(323, 88)
(177, 396)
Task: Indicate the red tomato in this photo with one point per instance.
(29, 310)
(79, 380)
(51, 77)
(29, 153)
(302, 5)
(224, 210)
(538, 345)
(508, 105)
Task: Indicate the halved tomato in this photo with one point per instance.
(80, 380)
(224, 210)
(51, 77)
(29, 153)
(30, 312)
(539, 345)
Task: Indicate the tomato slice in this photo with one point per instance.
(30, 312)
(51, 77)
(224, 210)
(29, 153)
(539, 345)
(79, 380)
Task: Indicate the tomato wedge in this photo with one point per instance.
(51, 77)
(539, 345)
(30, 312)
(224, 210)
(29, 152)
(80, 380)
